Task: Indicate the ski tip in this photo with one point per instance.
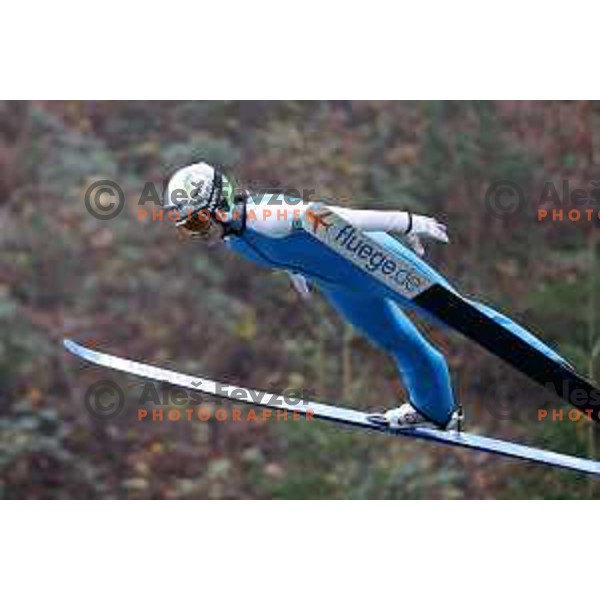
(70, 345)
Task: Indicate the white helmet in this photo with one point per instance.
(197, 187)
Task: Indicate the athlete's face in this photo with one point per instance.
(198, 224)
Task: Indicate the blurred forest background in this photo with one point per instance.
(140, 291)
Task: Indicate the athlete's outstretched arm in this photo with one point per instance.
(275, 220)
(411, 225)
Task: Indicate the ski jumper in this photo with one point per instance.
(272, 236)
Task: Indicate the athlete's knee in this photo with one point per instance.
(492, 313)
(436, 360)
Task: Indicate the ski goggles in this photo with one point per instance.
(196, 223)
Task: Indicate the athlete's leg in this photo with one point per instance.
(520, 331)
(398, 248)
(423, 368)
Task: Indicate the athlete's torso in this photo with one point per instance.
(274, 237)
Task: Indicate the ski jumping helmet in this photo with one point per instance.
(195, 194)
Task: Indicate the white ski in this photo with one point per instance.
(338, 414)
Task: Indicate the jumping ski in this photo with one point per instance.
(346, 416)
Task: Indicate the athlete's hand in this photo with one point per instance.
(425, 227)
(299, 282)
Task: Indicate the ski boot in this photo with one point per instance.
(407, 416)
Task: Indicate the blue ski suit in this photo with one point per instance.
(422, 367)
